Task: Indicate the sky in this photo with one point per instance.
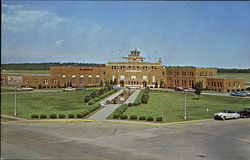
(201, 34)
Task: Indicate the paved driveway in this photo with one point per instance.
(207, 140)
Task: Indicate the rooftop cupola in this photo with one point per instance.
(134, 56)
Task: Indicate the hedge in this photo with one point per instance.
(61, 115)
(79, 116)
(53, 116)
(133, 117)
(149, 118)
(142, 118)
(71, 116)
(43, 116)
(124, 117)
(34, 116)
(159, 119)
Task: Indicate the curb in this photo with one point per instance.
(110, 121)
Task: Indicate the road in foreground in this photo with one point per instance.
(207, 140)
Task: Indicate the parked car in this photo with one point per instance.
(27, 89)
(178, 89)
(226, 114)
(246, 92)
(80, 88)
(69, 89)
(238, 93)
(191, 90)
(245, 113)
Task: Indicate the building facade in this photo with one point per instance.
(134, 72)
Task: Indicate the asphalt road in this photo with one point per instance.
(206, 140)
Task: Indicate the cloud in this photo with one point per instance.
(12, 6)
(18, 19)
(59, 42)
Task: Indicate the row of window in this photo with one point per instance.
(133, 67)
(202, 74)
(215, 84)
(184, 74)
(184, 83)
(133, 77)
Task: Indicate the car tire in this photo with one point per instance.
(245, 116)
(224, 118)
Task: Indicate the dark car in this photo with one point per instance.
(178, 89)
(237, 93)
(80, 88)
(245, 113)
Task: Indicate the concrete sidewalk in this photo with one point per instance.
(13, 117)
(110, 108)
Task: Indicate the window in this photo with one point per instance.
(113, 77)
(90, 80)
(97, 79)
(153, 79)
(73, 79)
(191, 74)
(133, 77)
(176, 74)
(184, 74)
(45, 81)
(145, 78)
(54, 81)
(81, 79)
(163, 73)
(170, 73)
(122, 77)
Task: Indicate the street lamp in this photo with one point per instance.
(185, 106)
(15, 103)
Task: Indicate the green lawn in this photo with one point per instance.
(45, 103)
(171, 105)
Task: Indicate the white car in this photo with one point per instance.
(226, 114)
(69, 89)
(27, 89)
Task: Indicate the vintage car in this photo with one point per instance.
(238, 93)
(69, 89)
(245, 113)
(226, 114)
(80, 88)
(178, 89)
(27, 89)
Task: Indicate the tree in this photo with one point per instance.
(115, 82)
(162, 84)
(156, 84)
(198, 88)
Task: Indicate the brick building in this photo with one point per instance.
(134, 72)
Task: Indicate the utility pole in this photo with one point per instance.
(185, 104)
(15, 103)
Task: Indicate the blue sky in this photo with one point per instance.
(203, 34)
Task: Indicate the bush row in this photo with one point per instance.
(119, 111)
(79, 115)
(100, 97)
(96, 93)
(134, 117)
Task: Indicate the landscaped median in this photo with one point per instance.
(169, 107)
(55, 105)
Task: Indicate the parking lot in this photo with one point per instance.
(209, 140)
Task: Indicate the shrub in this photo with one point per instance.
(43, 116)
(142, 118)
(116, 116)
(87, 99)
(90, 103)
(149, 118)
(61, 116)
(108, 102)
(130, 104)
(53, 116)
(135, 104)
(159, 119)
(144, 98)
(124, 117)
(34, 116)
(133, 117)
(94, 94)
(79, 115)
(85, 113)
(71, 116)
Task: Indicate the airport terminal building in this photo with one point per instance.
(134, 72)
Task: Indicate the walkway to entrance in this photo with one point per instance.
(109, 108)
